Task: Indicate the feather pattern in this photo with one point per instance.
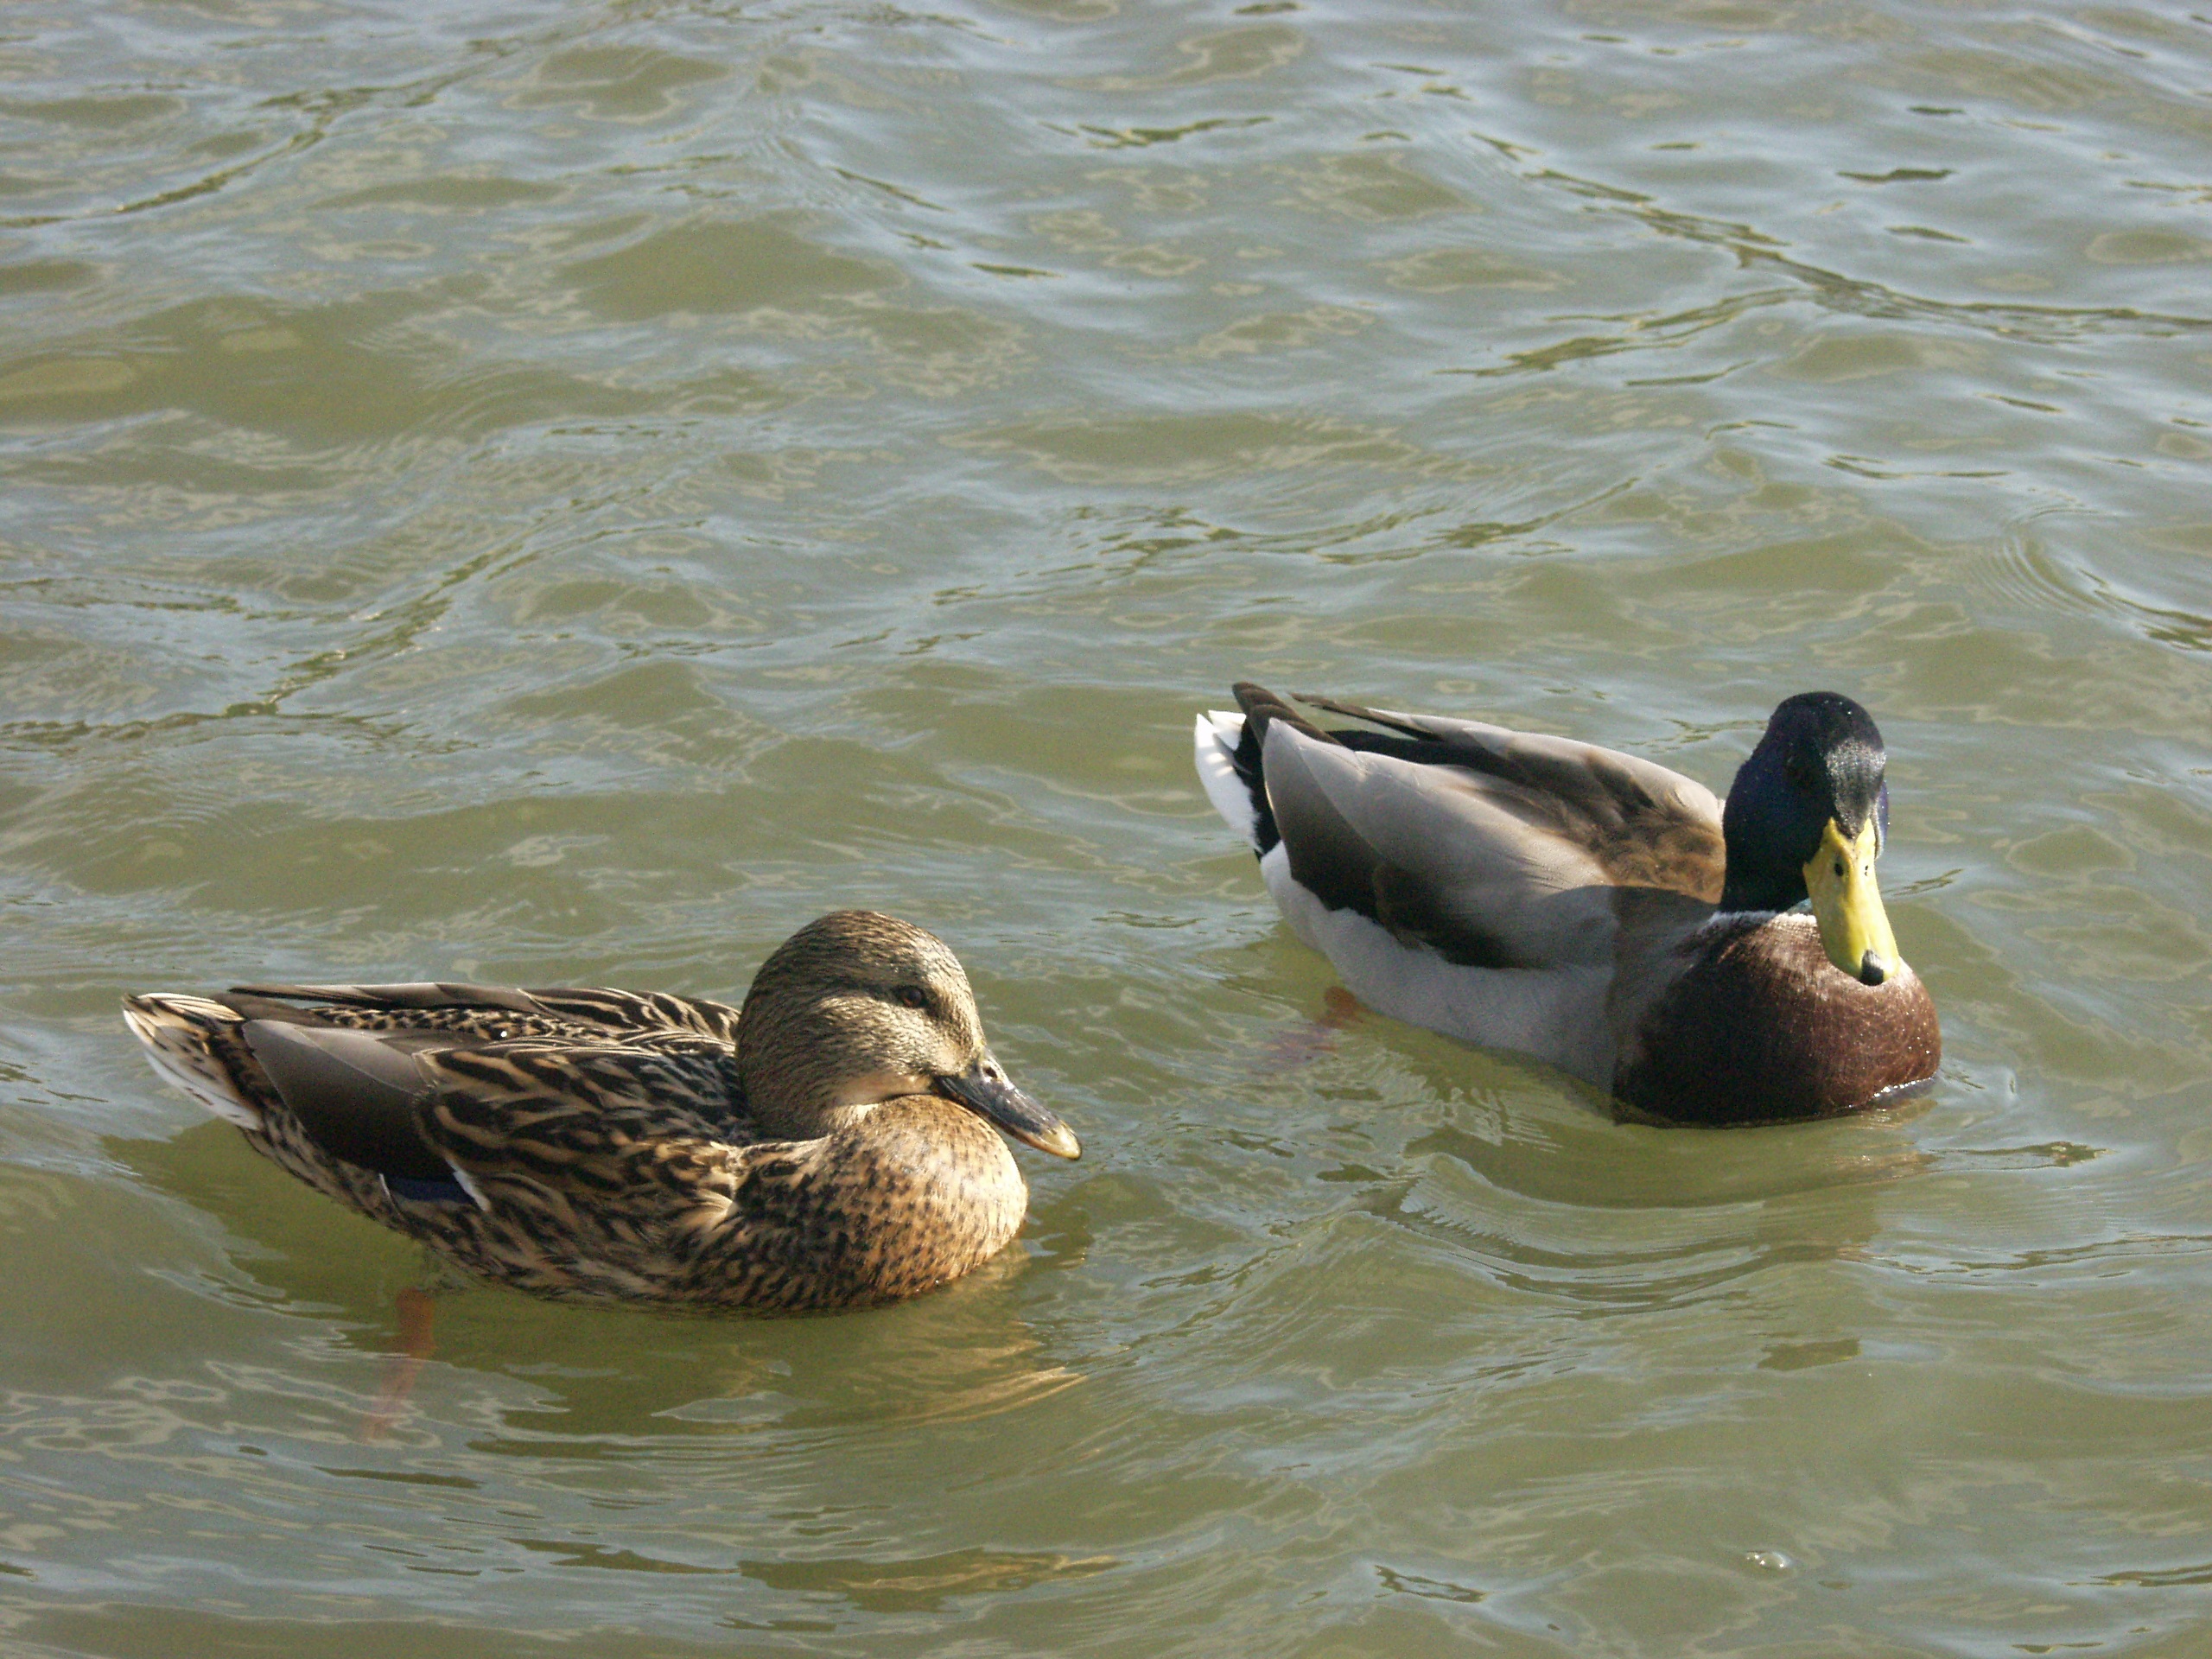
(827, 1146)
(1536, 894)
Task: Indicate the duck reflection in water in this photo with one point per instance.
(567, 1373)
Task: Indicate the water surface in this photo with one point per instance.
(561, 495)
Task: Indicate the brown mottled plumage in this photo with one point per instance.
(826, 1147)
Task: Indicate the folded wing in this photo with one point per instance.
(497, 1011)
(1489, 848)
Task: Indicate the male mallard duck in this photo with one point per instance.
(826, 1147)
(1592, 909)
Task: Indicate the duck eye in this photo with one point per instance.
(911, 996)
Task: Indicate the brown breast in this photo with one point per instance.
(1763, 1027)
(919, 1192)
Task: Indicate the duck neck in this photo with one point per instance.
(798, 1101)
(1750, 887)
(1768, 831)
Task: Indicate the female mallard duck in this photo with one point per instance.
(1594, 910)
(826, 1147)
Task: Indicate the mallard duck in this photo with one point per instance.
(828, 1145)
(1593, 910)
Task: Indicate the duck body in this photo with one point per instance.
(831, 1144)
(1593, 910)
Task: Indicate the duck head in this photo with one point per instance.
(1806, 818)
(858, 1008)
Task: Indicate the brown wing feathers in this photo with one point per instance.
(354, 1092)
(408, 1081)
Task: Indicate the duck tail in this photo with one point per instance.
(1239, 797)
(1230, 748)
(193, 1043)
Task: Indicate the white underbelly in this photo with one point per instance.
(1557, 1014)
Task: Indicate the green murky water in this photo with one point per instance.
(561, 494)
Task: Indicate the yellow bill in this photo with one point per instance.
(1846, 903)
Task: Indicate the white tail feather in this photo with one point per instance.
(1216, 738)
